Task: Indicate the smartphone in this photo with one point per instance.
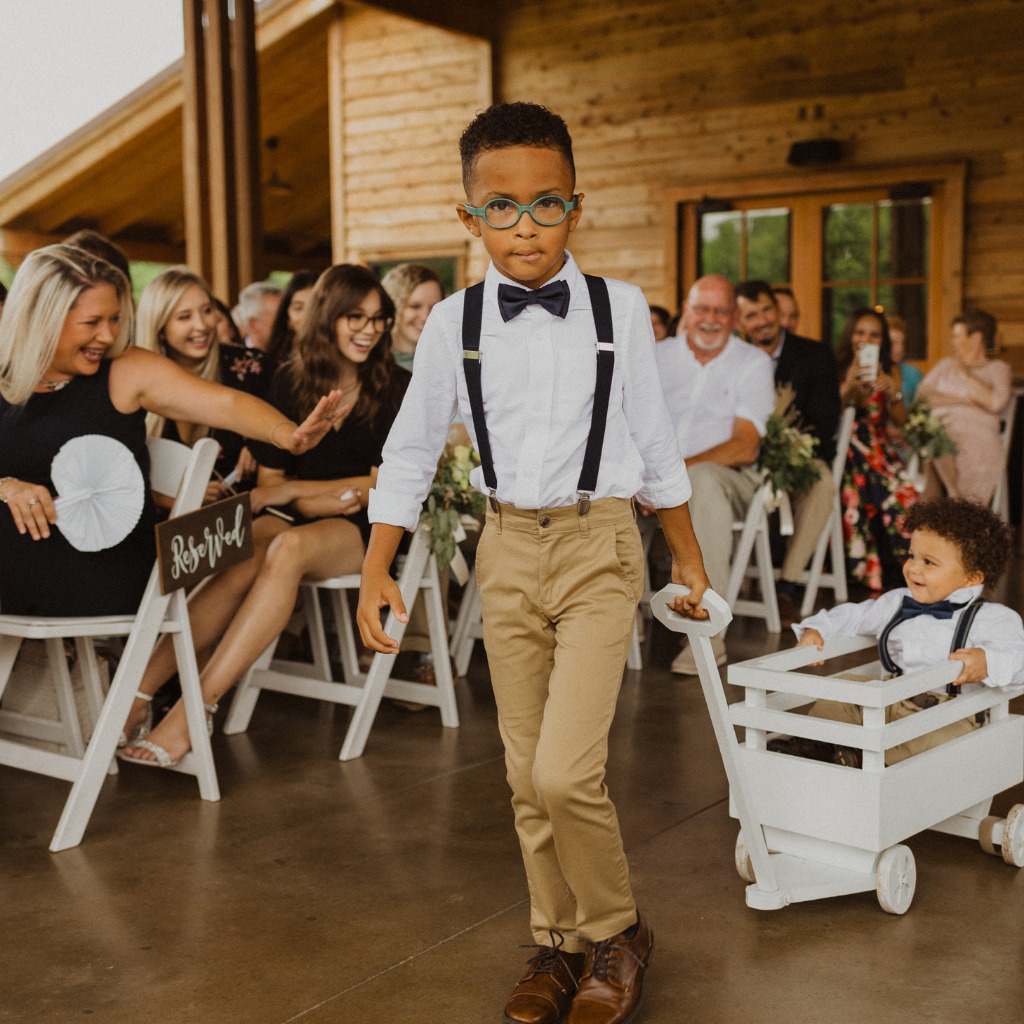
(867, 360)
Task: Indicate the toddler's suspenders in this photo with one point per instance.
(472, 318)
(963, 627)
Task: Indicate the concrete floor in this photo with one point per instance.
(390, 888)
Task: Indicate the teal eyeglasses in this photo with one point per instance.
(504, 213)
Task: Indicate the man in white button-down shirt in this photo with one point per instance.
(720, 393)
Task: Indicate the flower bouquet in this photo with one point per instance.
(925, 435)
(451, 496)
(787, 453)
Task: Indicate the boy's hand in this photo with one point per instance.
(377, 591)
(975, 665)
(810, 638)
(696, 579)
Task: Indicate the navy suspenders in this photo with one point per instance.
(963, 627)
(472, 318)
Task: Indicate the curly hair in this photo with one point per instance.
(982, 538)
(513, 124)
(316, 363)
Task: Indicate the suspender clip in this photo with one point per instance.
(492, 500)
(584, 505)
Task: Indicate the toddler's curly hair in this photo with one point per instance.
(982, 538)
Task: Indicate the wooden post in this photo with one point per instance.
(336, 135)
(246, 105)
(221, 152)
(193, 148)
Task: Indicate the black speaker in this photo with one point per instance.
(815, 151)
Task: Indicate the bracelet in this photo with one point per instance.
(279, 423)
(5, 480)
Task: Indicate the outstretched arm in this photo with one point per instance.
(144, 380)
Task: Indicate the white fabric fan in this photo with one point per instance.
(101, 492)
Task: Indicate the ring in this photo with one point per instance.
(34, 501)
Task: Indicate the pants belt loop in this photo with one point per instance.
(584, 524)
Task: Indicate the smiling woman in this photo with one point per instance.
(66, 371)
(177, 318)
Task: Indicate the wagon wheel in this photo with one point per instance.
(1013, 836)
(896, 879)
(744, 866)
(985, 830)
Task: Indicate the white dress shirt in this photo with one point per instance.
(704, 400)
(538, 374)
(924, 641)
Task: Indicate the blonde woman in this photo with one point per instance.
(65, 371)
(415, 290)
(177, 317)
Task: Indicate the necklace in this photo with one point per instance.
(55, 385)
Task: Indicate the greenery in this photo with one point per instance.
(925, 435)
(450, 497)
(787, 453)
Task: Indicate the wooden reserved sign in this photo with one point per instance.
(198, 544)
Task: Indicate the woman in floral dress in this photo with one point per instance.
(876, 491)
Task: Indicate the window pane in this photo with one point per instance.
(836, 305)
(721, 241)
(847, 242)
(768, 245)
(903, 243)
(910, 301)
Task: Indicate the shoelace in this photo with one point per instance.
(544, 961)
(602, 957)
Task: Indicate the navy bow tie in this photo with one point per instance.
(554, 297)
(937, 609)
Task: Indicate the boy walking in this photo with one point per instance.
(555, 375)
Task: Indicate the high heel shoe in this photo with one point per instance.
(144, 728)
(163, 759)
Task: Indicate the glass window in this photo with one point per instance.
(745, 244)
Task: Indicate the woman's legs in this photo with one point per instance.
(210, 609)
(328, 547)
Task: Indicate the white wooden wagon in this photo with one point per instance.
(811, 829)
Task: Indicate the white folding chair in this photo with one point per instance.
(831, 538)
(754, 539)
(175, 470)
(363, 691)
(1000, 503)
(468, 627)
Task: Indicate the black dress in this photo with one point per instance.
(243, 369)
(50, 577)
(351, 450)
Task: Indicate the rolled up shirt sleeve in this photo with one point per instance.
(417, 436)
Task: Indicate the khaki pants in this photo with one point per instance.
(559, 592)
(837, 711)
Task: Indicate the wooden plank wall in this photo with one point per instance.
(410, 89)
(665, 93)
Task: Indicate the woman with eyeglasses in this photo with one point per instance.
(345, 340)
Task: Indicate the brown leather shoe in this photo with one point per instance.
(613, 978)
(545, 991)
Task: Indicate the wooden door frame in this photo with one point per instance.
(948, 181)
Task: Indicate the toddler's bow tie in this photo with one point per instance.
(937, 609)
(554, 297)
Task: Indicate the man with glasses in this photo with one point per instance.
(720, 394)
